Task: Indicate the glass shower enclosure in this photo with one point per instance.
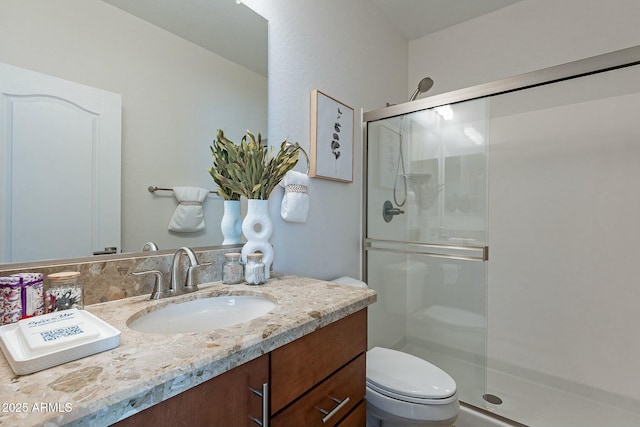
(543, 169)
(426, 237)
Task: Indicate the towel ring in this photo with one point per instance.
(306, 156)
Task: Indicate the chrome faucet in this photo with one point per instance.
(177, 286)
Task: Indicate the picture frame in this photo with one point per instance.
(332, 130)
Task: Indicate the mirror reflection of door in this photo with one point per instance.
(60, 147)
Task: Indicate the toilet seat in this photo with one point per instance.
(408, 378)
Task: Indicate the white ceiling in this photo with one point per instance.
(231, 30)
(236, 32)
(417, 18)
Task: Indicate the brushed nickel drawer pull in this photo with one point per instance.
(265, 405)
(328, 414)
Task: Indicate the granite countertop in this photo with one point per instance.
(149, 368)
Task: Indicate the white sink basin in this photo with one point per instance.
(201, 314)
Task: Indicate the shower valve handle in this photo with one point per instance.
(388, 211)
(395, 211)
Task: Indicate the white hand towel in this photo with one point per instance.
(189, 216)
(295, 203)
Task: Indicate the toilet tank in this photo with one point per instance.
(403, 283)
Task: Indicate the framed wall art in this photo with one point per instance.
(331, 138)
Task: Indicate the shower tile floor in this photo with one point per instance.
(524, 401)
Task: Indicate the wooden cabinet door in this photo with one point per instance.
(226, 400)
(331, 400)
(303, 363)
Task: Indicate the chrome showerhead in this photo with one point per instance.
(424, 85)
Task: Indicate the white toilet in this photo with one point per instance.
(404, 390)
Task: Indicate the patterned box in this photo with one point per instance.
(21, 296)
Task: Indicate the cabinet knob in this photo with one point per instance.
(327, 414)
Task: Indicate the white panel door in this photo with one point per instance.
(60, 156)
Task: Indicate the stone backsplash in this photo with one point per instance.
(109, 277)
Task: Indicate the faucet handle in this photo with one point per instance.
(159, 290)
(189, 285)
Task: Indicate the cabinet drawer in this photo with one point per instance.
(357, 417)
(299, 365)
(347, 383)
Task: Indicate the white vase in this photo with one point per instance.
(257, 228)
(231, 223)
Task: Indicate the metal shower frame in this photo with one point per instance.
(580, 68)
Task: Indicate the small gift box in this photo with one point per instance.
(21, 296)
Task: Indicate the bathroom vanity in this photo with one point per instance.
(302, 362)
(305, 375)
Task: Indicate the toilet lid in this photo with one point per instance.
(405, 375)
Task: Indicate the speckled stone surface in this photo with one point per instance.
(149, 368)
(108, 277)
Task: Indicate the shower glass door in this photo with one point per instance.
(426, 228)
(548, 335)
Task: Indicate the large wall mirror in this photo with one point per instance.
(183, 69)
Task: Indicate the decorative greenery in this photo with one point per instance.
(248, 169)
(219, 172)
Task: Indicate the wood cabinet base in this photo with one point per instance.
(321, 376)
(226, 400)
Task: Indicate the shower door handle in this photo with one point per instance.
(466, 253)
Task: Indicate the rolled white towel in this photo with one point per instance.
(189, 215)
(295, 203)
